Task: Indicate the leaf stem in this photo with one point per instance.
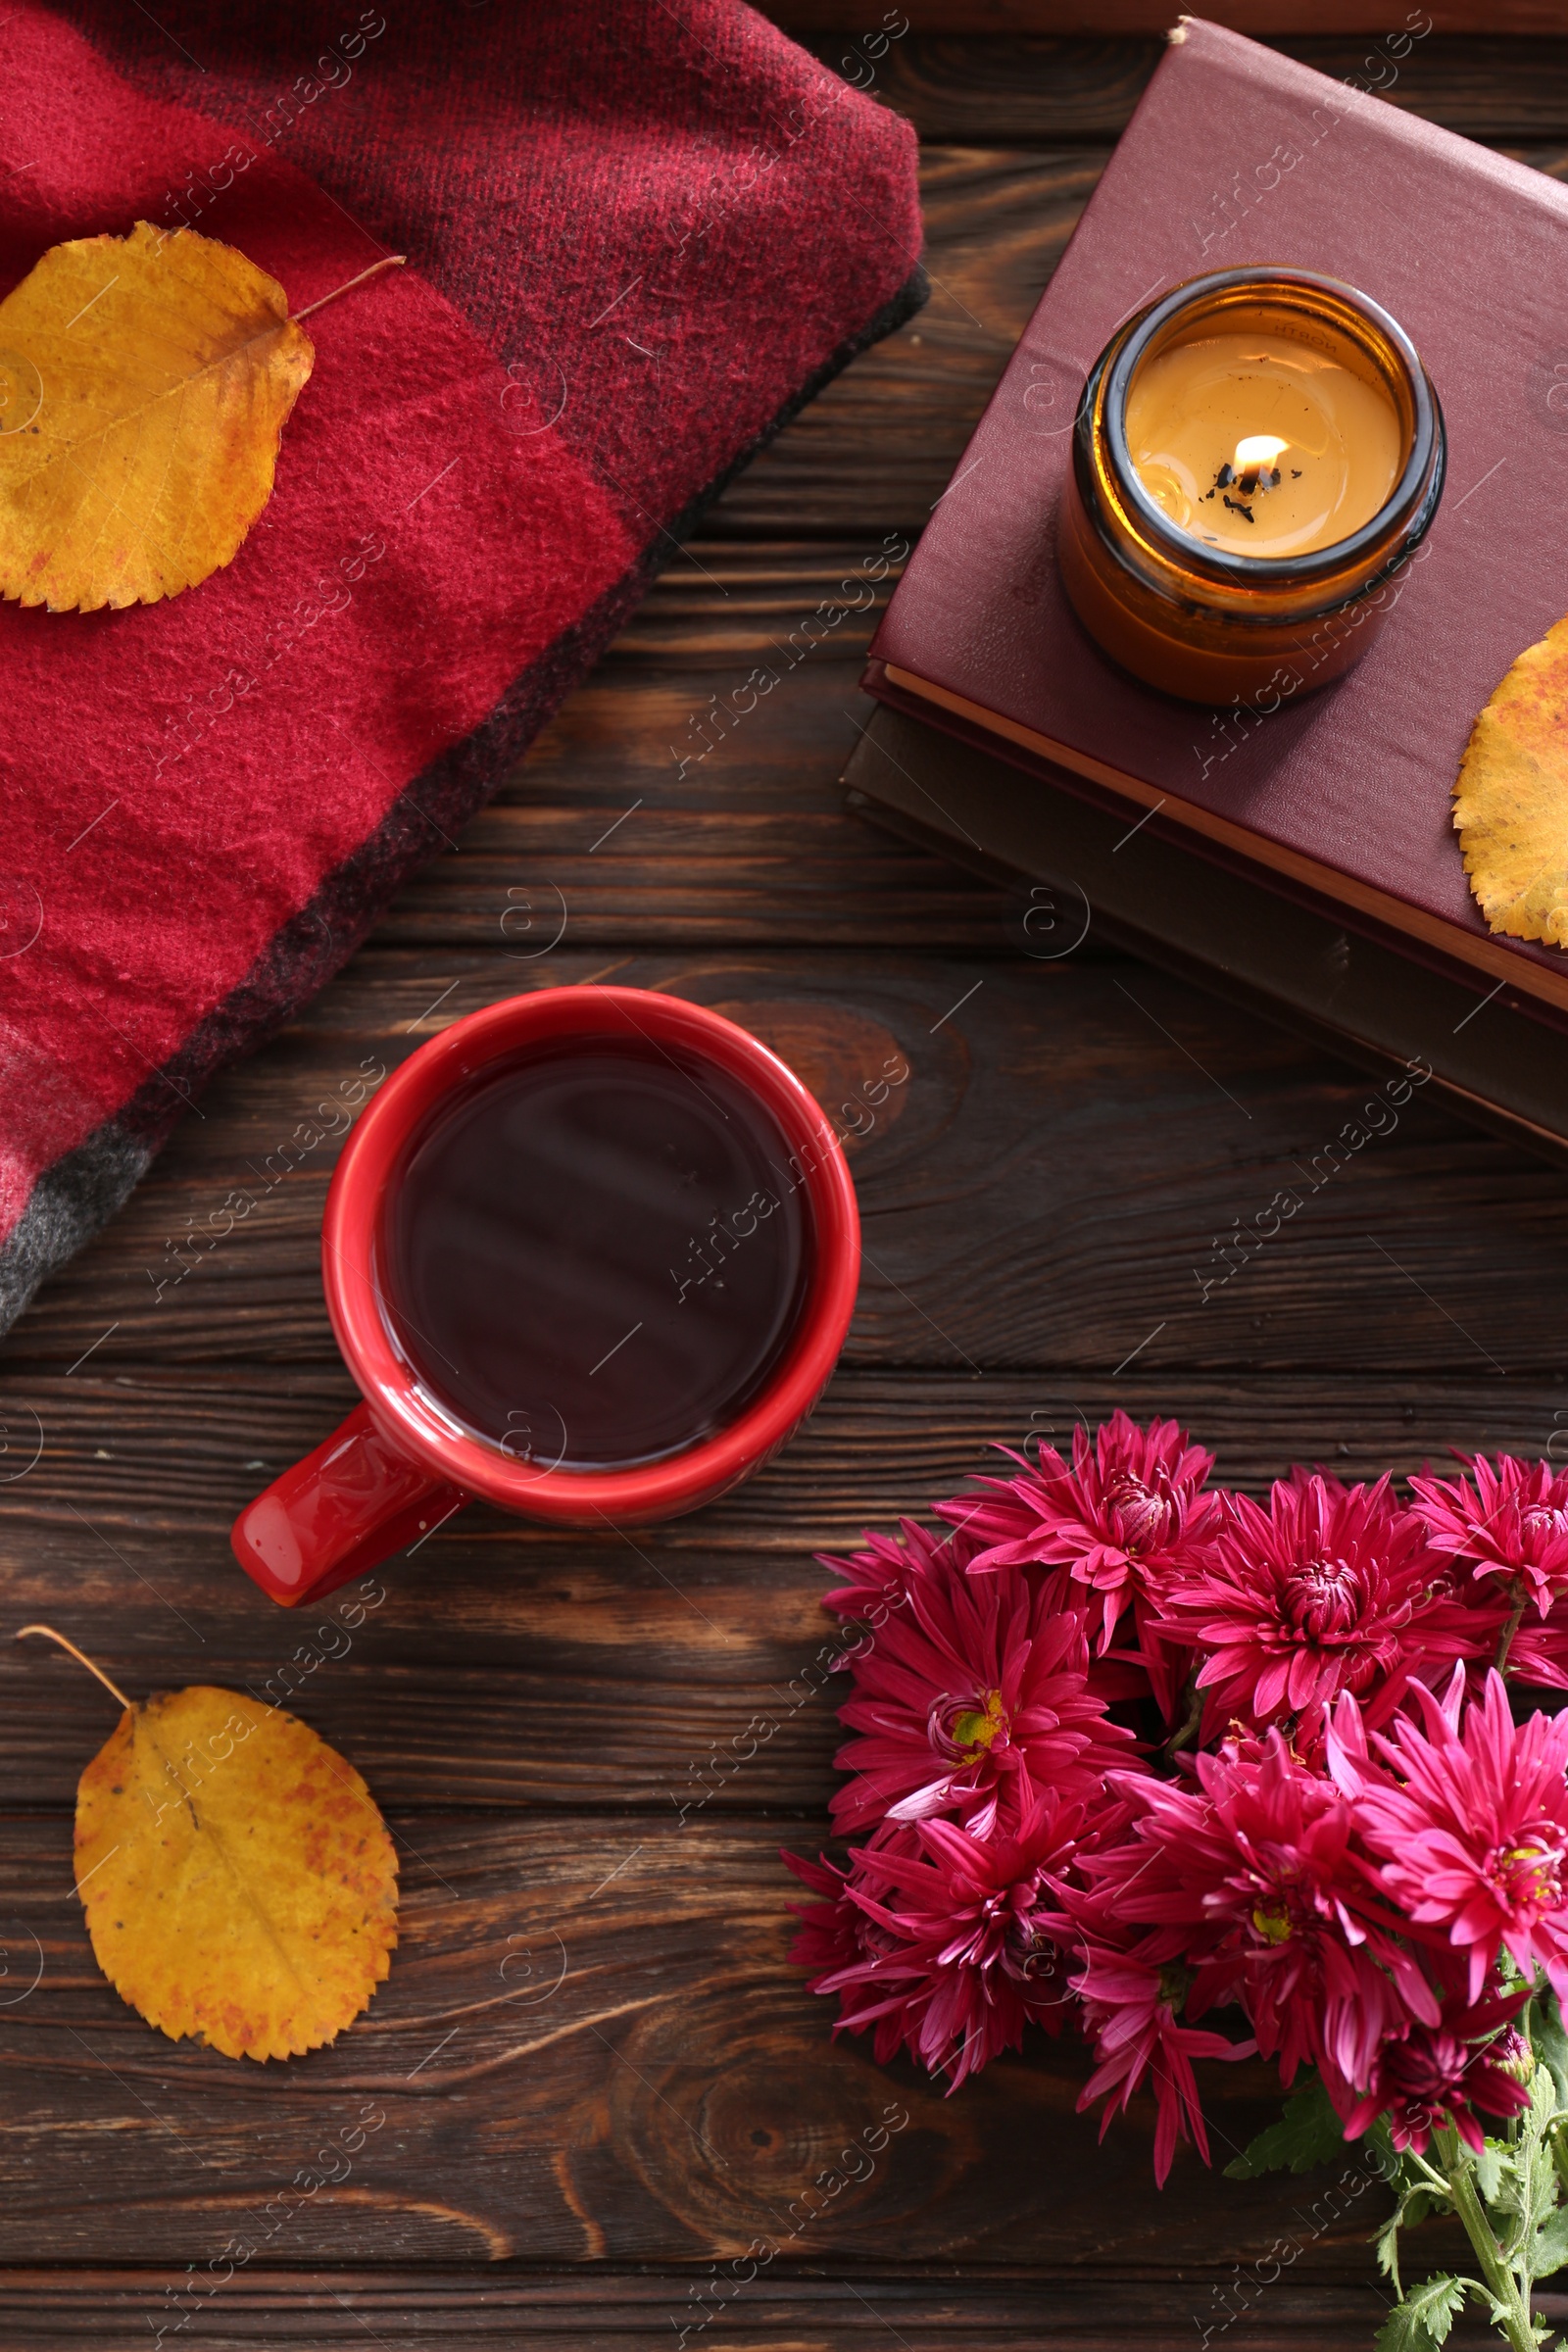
(1505, 1644)
(49, 1635)
(1512, 2302)
(1187, 1732)
(1432, 2179)
(390, 261)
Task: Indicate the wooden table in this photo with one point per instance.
(599, 2077)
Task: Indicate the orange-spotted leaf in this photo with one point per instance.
(144, 385)
(1510, 804)
(239, 1882)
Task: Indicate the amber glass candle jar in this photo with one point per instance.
(1257, 457)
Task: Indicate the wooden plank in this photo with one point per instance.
(161, 1456)
(726, 603)
(592, 2045)
(1083, 83)
(462, 2309)
(745, 845)
(452, 1679)
(1045, 1188)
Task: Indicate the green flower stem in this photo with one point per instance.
(1188, 1733)
(1521, 1596)
(1514, 2324)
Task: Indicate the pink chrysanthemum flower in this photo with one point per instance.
(1538, 1653)
(1513, 1521)
(1132, 2004)
(828, 1936)
(1255, 1880)
(1332, 1589)
(1347, 1871)
(971, 1701)
(835, 1935)
(1127, 1515)
(1507, 1537)
(878, 1579)
(1449, 2074)
(936, 1940)
(1472, 1837)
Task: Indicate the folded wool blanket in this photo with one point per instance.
(640, 235)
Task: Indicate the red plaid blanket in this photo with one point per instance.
(640, 235)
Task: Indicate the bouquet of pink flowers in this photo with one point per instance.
(1212, 1780)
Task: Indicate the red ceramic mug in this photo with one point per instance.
(397, 1466)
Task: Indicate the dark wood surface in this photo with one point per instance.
(598, 2075)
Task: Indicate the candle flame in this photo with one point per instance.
(1258, 449)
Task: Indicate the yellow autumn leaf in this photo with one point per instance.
(144, 385)
(1510, 802)
(238, 1879)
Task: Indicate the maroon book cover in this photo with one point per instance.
(1236, 156)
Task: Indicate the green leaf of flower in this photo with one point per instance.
(1549, 2247)
(1520, 2198)
(1488, 2162)
(1389, 2251)
(1542, 2100)
(1423, 2320)
(1543, 2186)
(1309, 2133)
(1549, 2043)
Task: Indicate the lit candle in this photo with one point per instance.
(1260, 444)
(1256, 455)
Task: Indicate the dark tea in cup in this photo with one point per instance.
(597, 1253)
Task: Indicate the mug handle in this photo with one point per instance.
(342, 1511)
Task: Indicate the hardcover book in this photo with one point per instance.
(1340, 799)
